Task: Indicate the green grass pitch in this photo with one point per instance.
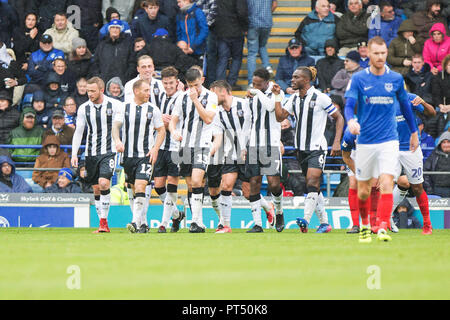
(34, 264)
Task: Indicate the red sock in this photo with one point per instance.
(374, 196)
(385, 204)
(422, 201)
(353, 204)
(364, 206)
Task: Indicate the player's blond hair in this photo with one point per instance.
(98, 81)
(310, 71)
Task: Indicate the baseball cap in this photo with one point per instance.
(29, 114)
(58, 114)
(353, 55)
(294, 42)
(362, 44)
(46, 38)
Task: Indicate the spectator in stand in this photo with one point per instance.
(439, 160)
(10, 181)
(209, 8)
(114, 89)
(70, 112)
(53, 94)
(260, 25)
(81, 178)
(230, 27)
(125, 8)
(403, 48)
(192, 29)
(424, 20)
(22, 8)
(67, 78)
(317, 28)
(8, 21)
(343, 76)
(440, 90)
(352, 27)
(64, 183)
(113, 14)
(419, 78)
(80, 95)
(47, 9)
(139, 44)
(9, 116)
(426, 141)
(295, 57)
(43, 114)
(386, 23)
(40, 62)
(404, 218)
(436, 48)
(165, 53)
(63, 132)
(146, 26)
(80, 59)
(11, 75)
(114, 56)
(27, 133)
(51, 157)
(26, 39)
(328, 66)
(62, 33)
(363, 54)
(412, 6)
(91, 21)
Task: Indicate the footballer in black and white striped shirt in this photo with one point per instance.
(139, 120)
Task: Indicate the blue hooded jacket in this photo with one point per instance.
(193, 29)
(19, 185)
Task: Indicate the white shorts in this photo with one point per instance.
(412, 163)
(372, 160)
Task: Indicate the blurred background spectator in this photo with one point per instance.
(64, 183)
(439, 160)
(10, 181)
(328, 66)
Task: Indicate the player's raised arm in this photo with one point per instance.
(280, 113)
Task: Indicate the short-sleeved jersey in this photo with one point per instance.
(139, 124)
(377, 98)
(195, 133)
(166, 106)
(404, 134)
(311, 113)
(156, 88)
(348, 141)
(98, 119)
(235, 126)
(266, 130)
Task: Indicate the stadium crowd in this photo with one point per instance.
(50, 48)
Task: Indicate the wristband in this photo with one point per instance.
(278, 98)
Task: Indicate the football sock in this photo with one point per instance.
(374, 196)
(148, 195)
(399, 194)
(278, 202)
(131, 198)
(138, 209)
(105, 200)
(353, 204)
(98, 206)
(225, 204)
(255, 204)
(364, 207)
(196, 204)
(422, 201)
(172, 196)
(264, 204)
(310, 205)
(384, 210)
(320, 209)
(168, 209)
(162, 192)
(215, 203)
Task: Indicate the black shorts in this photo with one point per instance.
(239, 168)
(137, 169)
(164, 165)
(311, 159)
(214, 175)
(100, 167)
(190, 158)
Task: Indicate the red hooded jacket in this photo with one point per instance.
(434, 53)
